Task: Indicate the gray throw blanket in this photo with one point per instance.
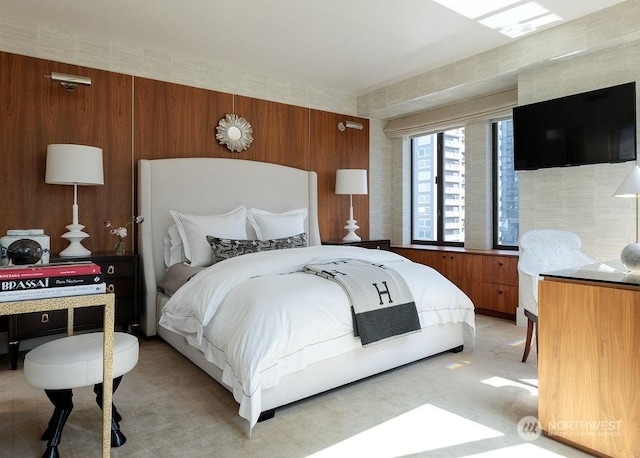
(382, 304)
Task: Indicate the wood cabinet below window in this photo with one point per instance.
(499, 285)
(489, 278)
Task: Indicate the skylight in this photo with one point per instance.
(512, 18)
(473, 8)
(515, 15)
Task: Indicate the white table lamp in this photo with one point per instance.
(630, 187)
(74, 165)
(351, 181)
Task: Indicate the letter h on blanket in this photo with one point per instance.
(383, 292)
(374, 320)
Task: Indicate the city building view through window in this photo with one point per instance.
(438, 187)
(505, 202)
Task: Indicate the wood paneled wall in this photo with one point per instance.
(280, 132)
(35, 112)
(172, 120)
(333, 150)
(133, 118)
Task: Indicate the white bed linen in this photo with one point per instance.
(258, 324)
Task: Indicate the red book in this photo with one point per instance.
(58, 269)
(18, 284)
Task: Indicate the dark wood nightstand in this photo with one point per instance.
(381, 244)
(122, 276)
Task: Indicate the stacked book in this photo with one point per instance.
(19, 283)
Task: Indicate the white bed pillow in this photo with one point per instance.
(173, 252)
(270, 226)
(194, 229)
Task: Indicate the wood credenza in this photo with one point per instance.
(589, 362)
(488, 277)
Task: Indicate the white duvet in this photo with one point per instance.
(259, 317)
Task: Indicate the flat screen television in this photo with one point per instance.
(589, 128)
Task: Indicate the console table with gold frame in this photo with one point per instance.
(70, 303)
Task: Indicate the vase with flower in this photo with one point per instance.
(121, 233)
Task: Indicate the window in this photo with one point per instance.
(438, 188)
(505, 187)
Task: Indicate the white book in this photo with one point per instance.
(44, 293)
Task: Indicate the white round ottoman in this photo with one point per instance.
(71, 362)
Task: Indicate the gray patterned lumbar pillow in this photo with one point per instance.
(229, 248)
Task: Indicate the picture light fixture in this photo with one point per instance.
(69, 82)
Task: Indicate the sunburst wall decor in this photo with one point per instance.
(234, 132)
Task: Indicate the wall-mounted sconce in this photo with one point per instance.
(69, 82)
(349, 124)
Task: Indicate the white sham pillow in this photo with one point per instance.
(194, 229)
(270, 226)
(173, 252)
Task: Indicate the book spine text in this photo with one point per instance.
(44, 293)
(49, 282)
(12, 273)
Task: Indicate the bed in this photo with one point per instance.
(313, 348)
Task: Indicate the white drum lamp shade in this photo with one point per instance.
(630, 187)
(75, 165)
(351, 181)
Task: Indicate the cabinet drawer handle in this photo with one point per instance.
(499, 264)
(111, 269)
(111, 288)
(44, 318)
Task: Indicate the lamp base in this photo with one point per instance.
(630, 257)
(75, 237)
(351, 235)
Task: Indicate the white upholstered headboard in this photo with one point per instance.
(209, 186)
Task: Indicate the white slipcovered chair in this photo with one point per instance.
(543, 250)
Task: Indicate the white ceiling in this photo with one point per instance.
(348, 46)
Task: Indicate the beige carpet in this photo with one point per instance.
(451, 405)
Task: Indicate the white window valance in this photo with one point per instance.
(455, 115)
